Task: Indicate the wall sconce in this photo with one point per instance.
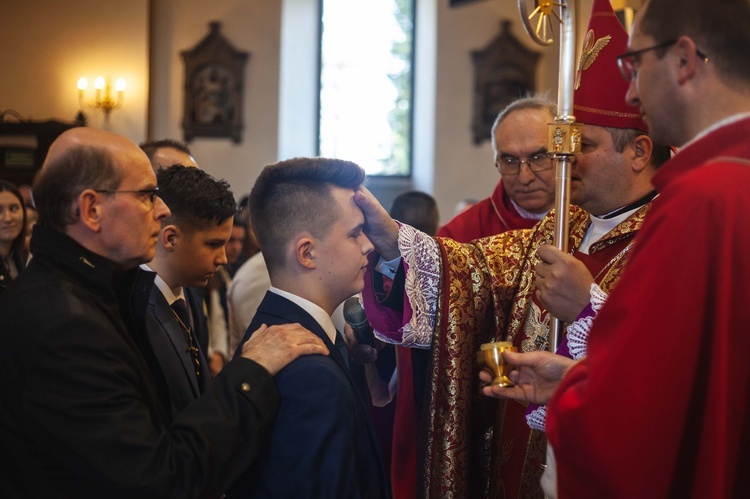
(103, 97)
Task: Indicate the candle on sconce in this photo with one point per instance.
(120, 88)
(83, 84)
(99, 86)
(103, 98)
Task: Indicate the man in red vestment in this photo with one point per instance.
(523, 196)
(660, 406)
(465, 294)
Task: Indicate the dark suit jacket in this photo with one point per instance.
(168, 341)
(323, 444)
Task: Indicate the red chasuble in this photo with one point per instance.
(660, 407)
(475, 446)
(481, 447)
(488, 217)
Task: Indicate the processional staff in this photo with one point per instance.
(564, 136)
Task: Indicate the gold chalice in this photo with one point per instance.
(490, 357)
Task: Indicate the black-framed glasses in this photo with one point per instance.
(628, 62)
(510, 165)
(151, 193)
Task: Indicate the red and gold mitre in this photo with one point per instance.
(599, 97)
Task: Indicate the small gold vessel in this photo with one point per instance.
(490, 357)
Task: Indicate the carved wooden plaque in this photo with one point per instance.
(503, 71)
(214, 82)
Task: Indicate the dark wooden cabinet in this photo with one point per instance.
(23, 147)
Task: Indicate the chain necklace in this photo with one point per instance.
(191, 347)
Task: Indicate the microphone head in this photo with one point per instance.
(354, 314)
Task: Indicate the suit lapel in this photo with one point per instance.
(168, 321)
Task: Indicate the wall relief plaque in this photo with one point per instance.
(214, 82)
(503, 71)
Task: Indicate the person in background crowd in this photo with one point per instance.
(417, 209)
(248, 287)
(12, 234)
(250, 246)
(167, 152)
(215, 295)
(464, 205)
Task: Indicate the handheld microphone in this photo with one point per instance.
(355, 316)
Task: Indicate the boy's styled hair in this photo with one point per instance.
(295, 195)
(196, 199)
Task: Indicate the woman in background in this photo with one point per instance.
(12, 233)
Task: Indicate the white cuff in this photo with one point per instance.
(388, 268)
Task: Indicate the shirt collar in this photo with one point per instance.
(169, 294)
(317, 313)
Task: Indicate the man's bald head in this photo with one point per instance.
(99, 189)
(80, 158)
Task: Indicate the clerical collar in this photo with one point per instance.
(632, 206)
(528, 214)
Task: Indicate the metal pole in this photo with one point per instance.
(564, 136)
(564, 156)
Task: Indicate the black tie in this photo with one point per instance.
(183, 314)
(341, 346)
(180, 308)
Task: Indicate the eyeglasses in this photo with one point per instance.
(151, 193)
(510, 165)
(628, 62)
